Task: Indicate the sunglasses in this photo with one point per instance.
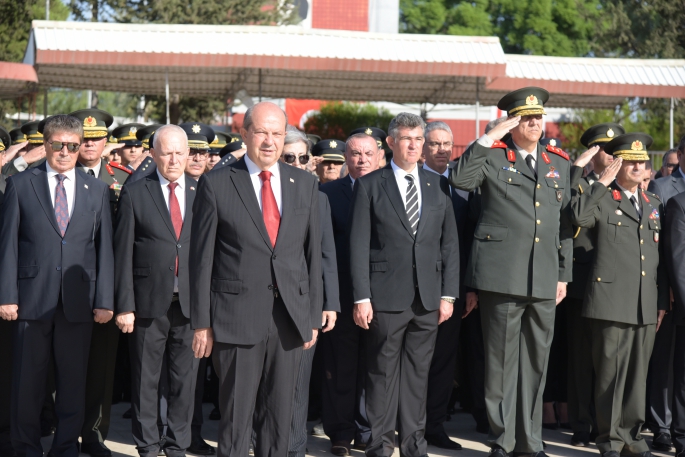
(71, 147)
(290, 158)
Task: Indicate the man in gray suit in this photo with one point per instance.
(660, 378)
(255, 283)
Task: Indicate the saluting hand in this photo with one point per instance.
(363, 314)
(9, 312)
(328, 319)
(102, 316)
(610, 172)
(9, 154)
(502, 129)
(125, 321)
(203, 340)
(585, 157)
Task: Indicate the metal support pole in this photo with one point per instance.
(671, 122)
(47, 10)
(166, 92)
(477, 109)
(45, 103)
(260, 85)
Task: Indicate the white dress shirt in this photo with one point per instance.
(402, 183)
(180, 193)
(488, 142)
(96, 168)
(632, 194)
(69, 186)
(254, 171)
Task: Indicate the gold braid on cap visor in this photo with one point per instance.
(198, 144)
(526, 110)
(632, 155)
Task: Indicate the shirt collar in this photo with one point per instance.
(445, 174)
(400, 173)
(181, 181)
(524, 153)
(96, 168)
(71, 174)
(682, 173)
(253, 169)
(628, 193)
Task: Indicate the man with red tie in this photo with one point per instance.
(256, 297)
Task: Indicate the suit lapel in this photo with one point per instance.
(346, 186)
(153, 186)
(426, 196)
(287, 198)
(191, 185)
(390, 186)
(625, 205)
(521, 164)
(80, 197)
(678, 181)
(41, 187)
(243, 185)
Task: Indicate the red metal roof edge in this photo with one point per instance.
(18, 72)
(589, 88)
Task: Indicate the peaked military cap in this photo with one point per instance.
(127, 134)
(235, 137)
(232, 147)
(199, 134)
(220, 140)
(111, 139)
(144, 134)
(630, 146)
(32, 133)
(601, 134)
(313, 138)
(95, 122)
(41, 124)
(524, 102)
(556, 142)
(330, 150)
(378, 134)
(5, 140)
(17, 136)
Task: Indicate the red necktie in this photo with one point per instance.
(175, 211)
(272, 218)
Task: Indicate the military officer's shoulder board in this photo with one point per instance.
(116, 165)
(646, 193)
(557, 151)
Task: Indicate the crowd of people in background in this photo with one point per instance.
(288, 278)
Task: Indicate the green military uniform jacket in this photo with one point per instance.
(114, 175)
(583, 244)
(523, 241)
(627, 282)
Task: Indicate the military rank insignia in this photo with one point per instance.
(511, 155)
(644, 195)
(545, 157)
(655, 214)
(616, 194)
(656, 237)
(512, 169)
(553, 173)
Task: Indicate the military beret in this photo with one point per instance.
(524, 102)
(95, 122)
(127, 134)
(4, 139)
(630, 146)
(199, 135)
(32, 133)
(144, 134)
(232, 147)
(330, 150)
(374, 132)
(17, 136)
(220, 140)
(601, 134)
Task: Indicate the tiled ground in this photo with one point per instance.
(462, 428)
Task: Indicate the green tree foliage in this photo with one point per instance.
(336, 120)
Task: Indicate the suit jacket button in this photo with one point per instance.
(64, 242)
(171, 268)
(58, 268)
(274, 257)
(178, 246)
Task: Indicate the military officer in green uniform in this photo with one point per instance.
(103, 346)
(520, 263)
(221, 139)
(579, 334)
(35, 151)
(627, 292)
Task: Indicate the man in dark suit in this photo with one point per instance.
(56, 276)
(343, 410)
(404, 262)
(256, 283)
(152, 292)
(660, 378)
(437, 151)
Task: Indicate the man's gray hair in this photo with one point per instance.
(494, 123)
(437, 125)
(294, 135)
(356, 136)
(406, 120)
(165, 130)
(247, 120)
(62, 123)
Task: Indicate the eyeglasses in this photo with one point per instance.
(58, 145)
(290, 158)
(671, 165)
(199, 152)
(437, 145)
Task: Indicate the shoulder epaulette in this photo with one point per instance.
(498, 145)
(122, 168)
(557, 151)
(652, 194)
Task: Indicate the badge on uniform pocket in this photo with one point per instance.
(656, 237)
(559, 195)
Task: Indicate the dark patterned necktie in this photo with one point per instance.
(272, 218)
(412, 205)
(175, 212)
(633, 200)
(61, 206)
(91, 172)
(531, 165)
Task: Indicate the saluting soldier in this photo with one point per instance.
(104, 341)
(146, 164)
(231, 153)
(35, 151)
(627, 292)
(221, 139)
(131, 147)
(520, 263)
(579, 333)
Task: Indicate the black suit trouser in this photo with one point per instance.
(660, 378)
(150, 339)
(100, 382)
(344, 395)
(678, 388)
(399, 352)
(441, 374)
(5, 385)
(34, 342)
(257, 388)
(298, 427)
(580, 369)
(474, 355)
(196, 426)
